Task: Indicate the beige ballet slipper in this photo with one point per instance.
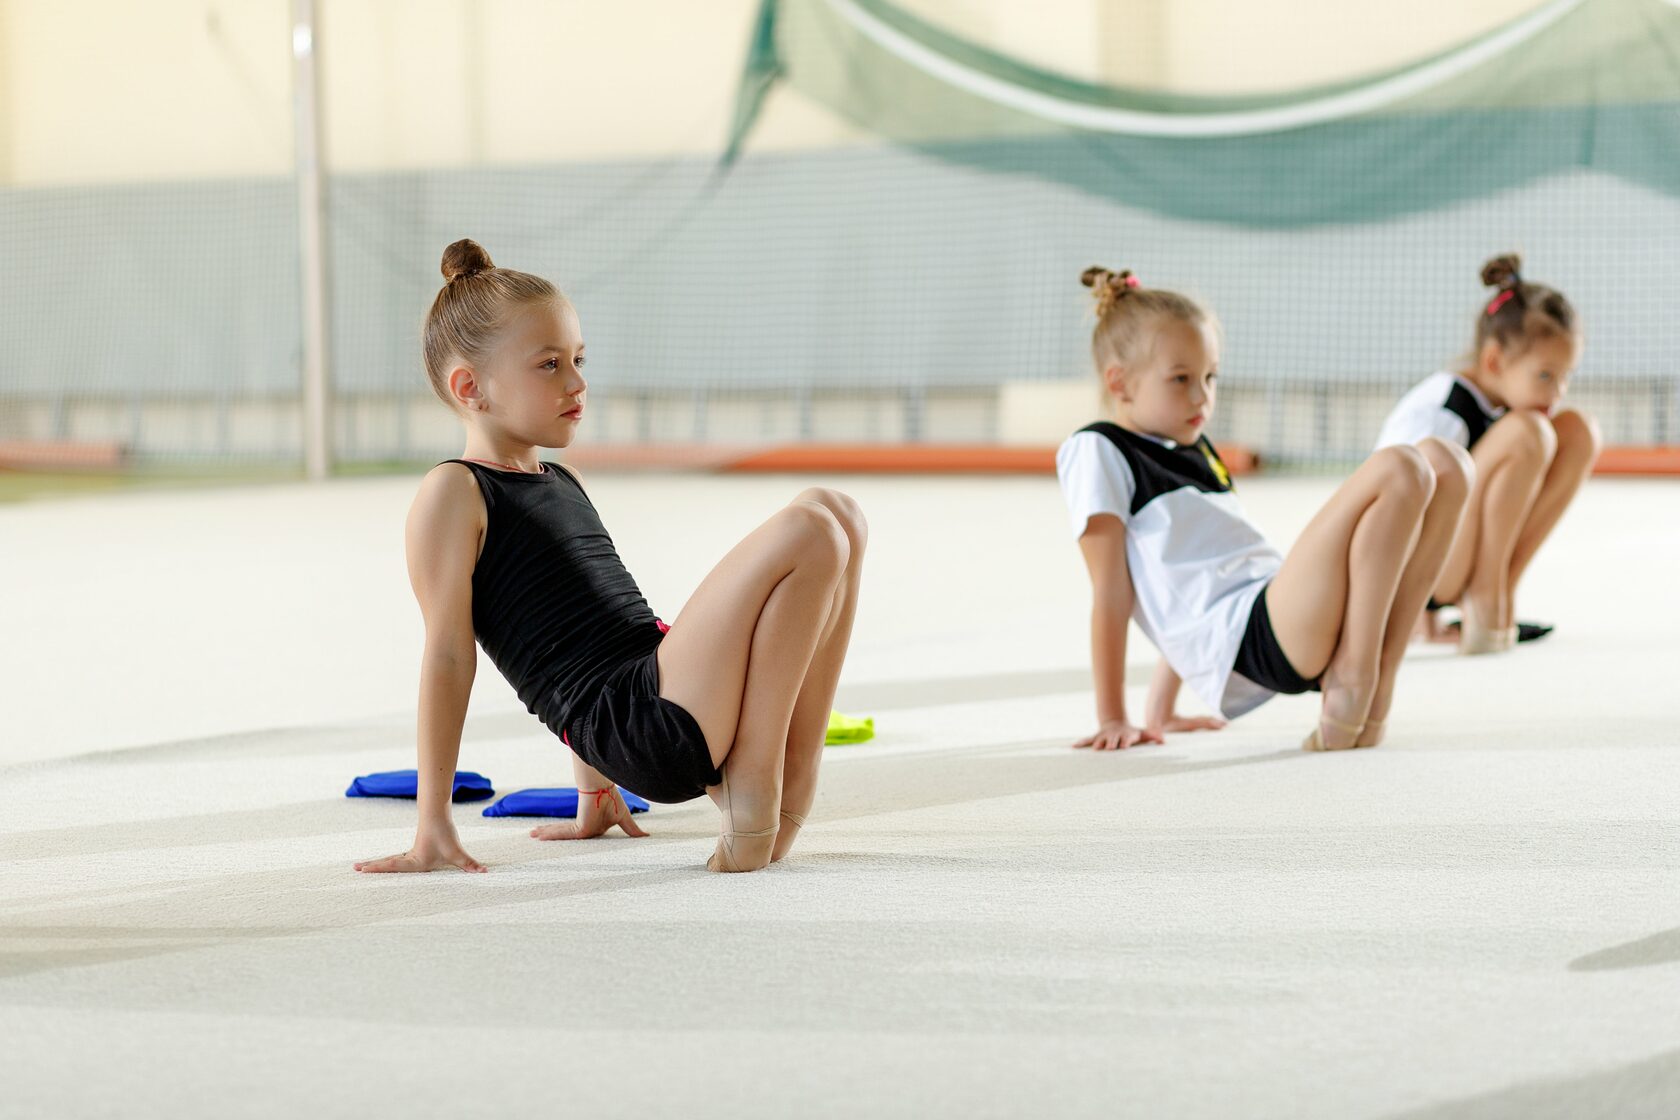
(1371, 735)
(791, 824)
(1475, 639)
(739, 849)
(1315, 741)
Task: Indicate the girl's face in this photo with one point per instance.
(531, 387)
(1535, 380)
(1170, 392)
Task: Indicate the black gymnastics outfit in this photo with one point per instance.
(567, 626)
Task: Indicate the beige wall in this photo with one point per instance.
(97, 90)
(1232, 46)
(1218, 46)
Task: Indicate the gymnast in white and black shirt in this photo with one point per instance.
(1505, 406)
(1167, 544)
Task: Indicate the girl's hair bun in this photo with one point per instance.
(465, 258)
(1108, 286)
(1503, 272)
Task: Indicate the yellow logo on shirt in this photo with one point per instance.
(1219, 470)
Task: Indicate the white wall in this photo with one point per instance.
(98, 90)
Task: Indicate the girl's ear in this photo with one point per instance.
(1492, 358)
(1114, 380)
(464, 388)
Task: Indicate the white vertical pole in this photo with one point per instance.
(317, 444)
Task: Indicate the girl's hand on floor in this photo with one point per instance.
(595, 816)
(434, 849)
(1117, 735)
(1176, 724)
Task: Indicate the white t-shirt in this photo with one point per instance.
(1442, 404)
(1197, 563)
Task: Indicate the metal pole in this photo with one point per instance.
(317, 445)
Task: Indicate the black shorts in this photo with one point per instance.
(1261, 659)
(647, 744)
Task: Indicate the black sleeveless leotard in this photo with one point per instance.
(564, 622)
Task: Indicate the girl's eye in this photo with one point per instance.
(552, 363)
(1181, 380)
(580, 360)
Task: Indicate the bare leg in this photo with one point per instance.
(1454, 472)
(737, 656)
(1578, 444)
(1330, 602)
(808, 727)
(1511, 460)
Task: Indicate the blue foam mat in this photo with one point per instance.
(406, 783)
(550, 803)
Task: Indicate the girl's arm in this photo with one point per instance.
(1104, 547)
(443, 533)
(1163, 699)
(600, 807)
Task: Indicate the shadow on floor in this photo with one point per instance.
(1646, 1088)
(1659, 948)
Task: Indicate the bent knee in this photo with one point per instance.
(1526, 433)
(845, 510)
(815, 533)
(1405, 471)
(1454, 469)
(1578, 435)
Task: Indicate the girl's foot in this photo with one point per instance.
(1526, 631)
(791, 824)
(1432, 631)
(1477, 635)
(1344, 736)
(743, 851)
(1341, 718)
(1371, 735)
(738, 848)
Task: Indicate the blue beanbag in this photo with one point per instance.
(406, 783)
(550, 803)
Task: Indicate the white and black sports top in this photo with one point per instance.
(1197, 563)
(1443, 404)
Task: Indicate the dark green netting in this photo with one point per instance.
(1593, 84)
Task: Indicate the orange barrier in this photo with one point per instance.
(929, 458)
(655, 456)
(837, 458)
(1638, 460)
(53, 455)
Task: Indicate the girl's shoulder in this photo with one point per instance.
(450, 480)
(1091, 447)
(449, 498)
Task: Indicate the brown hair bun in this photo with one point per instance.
(465, 258)
(1503, 271)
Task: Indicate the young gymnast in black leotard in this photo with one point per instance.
(731, 700)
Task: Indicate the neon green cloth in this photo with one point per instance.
(846, 729)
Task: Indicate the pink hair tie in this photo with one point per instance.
(1133, 282)
(1499, 301)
